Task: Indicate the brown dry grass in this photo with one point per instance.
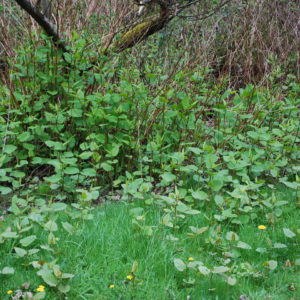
(245, 41)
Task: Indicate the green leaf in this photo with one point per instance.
(86, 155)
(25, 137)
(67, 275)
(4, 190)
(56, 271)
(68, 227)
(292, 185)
(288, 233)
(271, 264)
(204, 270)
(28, 240)
(48, 277)
(89, 172)
(53, 179)
(167, 220)
(67, 57)
(219, 200)
(231, 280)
(136, 211)
(232, 236)
(210, 160)
(179, 264)
(9, 149)
(39, 296)
(56, 145)
(51, 239)
(168, 177)
(192, 212)
(71, 170)
(58, 206)
(17, 174)
(200, 195)
(221, 269)
(134, 267)
(45, 247)
(279, 245)
(33, 251)
(115, 150)
(199, 231)
(64, 288)
(75, 112)
(106, 167)
(52, 93)
(261, 250)
(9, 235)
(7, 271)
(20, 252)
(51, 226)
(216, 184)
(243, 245)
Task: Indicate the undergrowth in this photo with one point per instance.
(72, 137)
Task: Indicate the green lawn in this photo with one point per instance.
(102, 251)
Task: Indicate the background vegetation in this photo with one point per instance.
(146, 173)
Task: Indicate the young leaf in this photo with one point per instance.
(28, 240)
(7, 271)
(179, 264)
(200, 195)
(134, 268)
(48, 277)
(4, 190)
(288, 233)
(51, 226)
(243, 245)
(232, 236)
(9, 235)
(279, 245)
(204, 270)
(57, 271)
(67, 275)
(64, 288)
(221, 269)
(231, 280)
(68, 227)
(271, 264)
(168, 177)
(20, 252)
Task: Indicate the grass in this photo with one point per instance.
(103, 251)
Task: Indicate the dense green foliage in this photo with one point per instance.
(208, 160)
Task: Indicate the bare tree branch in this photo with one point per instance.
(43, 21)
(169, 9)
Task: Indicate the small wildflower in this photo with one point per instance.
(9, 292)
(40, 288)
(129, 277)
(262, 227)
(191, 258)
(111, 286)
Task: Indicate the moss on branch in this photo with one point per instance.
(142, 31)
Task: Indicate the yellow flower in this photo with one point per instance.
(129, 277)
(111, 286)
(40, 288)
(262, 227)
(191, 258)
(9, 292)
